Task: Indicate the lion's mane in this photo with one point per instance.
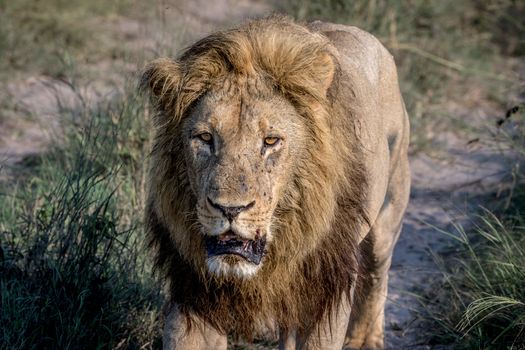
(314, 258)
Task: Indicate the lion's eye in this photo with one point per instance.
(270, 141)
(206, 137)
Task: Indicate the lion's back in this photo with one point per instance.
(368, 102)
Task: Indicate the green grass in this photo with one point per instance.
(480, 303)
(73, 270)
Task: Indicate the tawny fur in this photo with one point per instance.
(320, 220)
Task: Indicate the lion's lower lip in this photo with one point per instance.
(251, 250)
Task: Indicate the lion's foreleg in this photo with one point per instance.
(287, 340)
(366, 329)
(180, 335)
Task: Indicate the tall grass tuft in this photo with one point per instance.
(482, 299)
(73, 271)
(481, 302)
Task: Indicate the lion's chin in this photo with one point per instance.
(231, 266)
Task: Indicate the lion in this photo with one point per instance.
(278, 182)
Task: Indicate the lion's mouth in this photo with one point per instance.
(230, 243)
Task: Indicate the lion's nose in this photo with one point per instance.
(230, 212)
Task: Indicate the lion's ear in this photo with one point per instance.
(161, 79)
(324, 71)
(311, 72)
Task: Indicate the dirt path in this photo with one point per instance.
(443, 193)
(443, 189)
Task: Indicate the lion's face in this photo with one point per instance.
(240, 150)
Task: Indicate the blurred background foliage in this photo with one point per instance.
(446, 51)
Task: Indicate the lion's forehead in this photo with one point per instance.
(244, 115)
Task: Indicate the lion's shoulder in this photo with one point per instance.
(356, 49)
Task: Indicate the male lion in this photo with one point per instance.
(279, 178)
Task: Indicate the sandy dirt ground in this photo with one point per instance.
(443, 191)
(445, 186)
